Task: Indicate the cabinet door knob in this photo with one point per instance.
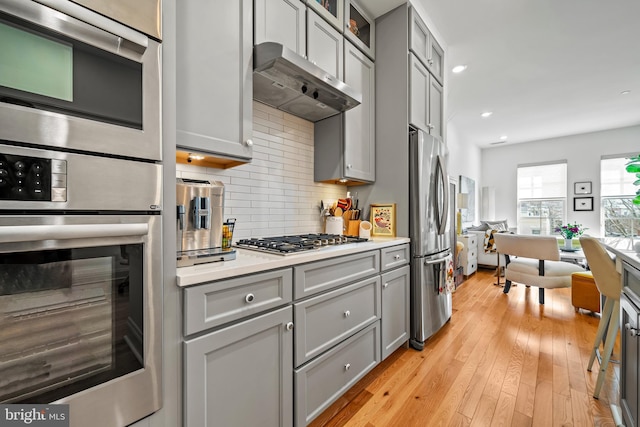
(347, 313)
(249, 143)
(289, 326)
(347, 366)
(349, 166)
(249, 298)
(632, 331)
(385, 285)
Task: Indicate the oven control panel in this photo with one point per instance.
(32, 178)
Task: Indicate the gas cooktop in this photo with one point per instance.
(287, 245)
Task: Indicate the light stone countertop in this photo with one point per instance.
(623, 250)
(248, 261)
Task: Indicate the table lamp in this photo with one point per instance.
(462, 202)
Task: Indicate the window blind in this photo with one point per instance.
(614, 179)
(542, 181)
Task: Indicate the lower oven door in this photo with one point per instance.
(80, 315)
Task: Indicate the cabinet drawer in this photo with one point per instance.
(322, 381)
(215, 303)
(323, 321)
(469, 254)
(309, 279)
(394, 256)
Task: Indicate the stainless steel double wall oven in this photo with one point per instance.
(80, 203)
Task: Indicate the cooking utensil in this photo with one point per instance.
(337, 212)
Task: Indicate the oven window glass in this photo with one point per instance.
(70, 319)
(49, 71)
(35, 64)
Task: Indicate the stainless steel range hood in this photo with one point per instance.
(288, 82)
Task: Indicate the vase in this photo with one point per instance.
(568, 244)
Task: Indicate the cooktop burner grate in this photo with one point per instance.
(285, 245)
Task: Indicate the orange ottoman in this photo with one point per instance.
(584, 292)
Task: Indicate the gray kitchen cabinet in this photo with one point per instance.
(327, 319)
(426, 99)
(241, 375)
(315, 277)
(214, 78)
(281, 21)
(360, 28)
(630, 345)
(323, 380)
(348, 140)
(213, 304)
(394, 256)
(424, 45)
(324, 45)
(395, 309)
(330, 10)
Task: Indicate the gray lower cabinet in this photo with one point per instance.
(323, 380)
(327, 319)
(630, 345)
(214, 78)
(395, 309)
(241, 375)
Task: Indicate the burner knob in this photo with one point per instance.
(37, 167)
(19, 165)
(4, 173)
(20, 173)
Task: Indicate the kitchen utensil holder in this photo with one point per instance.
(227, 233)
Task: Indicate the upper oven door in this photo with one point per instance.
(78, 80)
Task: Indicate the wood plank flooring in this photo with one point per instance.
(502, 360)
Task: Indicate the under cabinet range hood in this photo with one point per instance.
(286, 81)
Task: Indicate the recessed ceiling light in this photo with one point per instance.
(503, 138)
(497, 142)
(625, 92)
(459, 68)
(486, 114)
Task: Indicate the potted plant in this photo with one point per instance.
(569, 232)
(634, 167)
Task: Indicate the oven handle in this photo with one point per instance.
(32, 233)
(85, 15)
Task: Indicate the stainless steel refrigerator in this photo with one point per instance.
(430, 238)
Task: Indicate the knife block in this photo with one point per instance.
(352, 227)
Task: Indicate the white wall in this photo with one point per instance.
(582, 152)
(274, 194)
(464, 159)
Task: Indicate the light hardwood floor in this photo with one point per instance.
(502, 360)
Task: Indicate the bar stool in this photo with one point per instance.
(609, 284)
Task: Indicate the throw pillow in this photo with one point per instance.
(500, 225)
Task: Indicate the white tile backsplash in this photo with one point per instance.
(275, 193)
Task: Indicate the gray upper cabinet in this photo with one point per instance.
(330, 10)
(345, 144)
(214, 73)
(425, 47)
(360, 28)
(426, 98)
(281, 21)
(324, 45)
(241, 375)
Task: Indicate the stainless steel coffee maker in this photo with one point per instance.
(199, 223)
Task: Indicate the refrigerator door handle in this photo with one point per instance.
(434, 261)
(442, 221)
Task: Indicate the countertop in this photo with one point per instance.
(623, 250)
(248, 261)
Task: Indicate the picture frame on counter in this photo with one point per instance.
(583, 203)
(383, 219)
(582, 187)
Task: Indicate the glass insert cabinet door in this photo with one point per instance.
(70, 319)
(360, 28)
(330, 10)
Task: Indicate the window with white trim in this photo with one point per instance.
(619, 217)
(542, 198)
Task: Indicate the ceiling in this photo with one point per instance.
(545, 68)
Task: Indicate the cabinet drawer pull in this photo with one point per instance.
(632, 331)
(347, 366)
(249, 298)
(249, 143)
(385, 285)
(347, 313)
(396, 257)
(289, 326)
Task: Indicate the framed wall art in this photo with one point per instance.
(582, 187)
(383, 220)
(583, 203)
